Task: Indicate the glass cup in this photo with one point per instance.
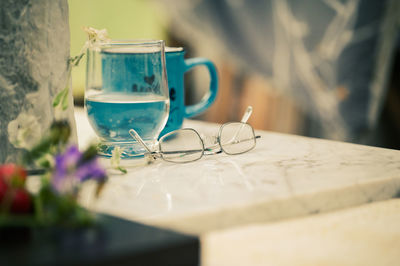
(126, 88)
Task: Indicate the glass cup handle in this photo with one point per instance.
(210, 96)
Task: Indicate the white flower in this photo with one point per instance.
(95, 37)
(116, 156)
(116, 159)
(25, 131)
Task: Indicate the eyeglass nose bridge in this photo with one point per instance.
(209, 151)
(211, 144)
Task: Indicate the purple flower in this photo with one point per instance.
(71, 170)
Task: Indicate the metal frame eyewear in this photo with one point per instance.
(233, 138)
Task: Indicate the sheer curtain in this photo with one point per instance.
(333, 57)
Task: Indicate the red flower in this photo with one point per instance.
(13, 174)
(13, 195)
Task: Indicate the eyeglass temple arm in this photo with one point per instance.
(136, 136)
(247, 114)
(245, 117)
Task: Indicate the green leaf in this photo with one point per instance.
(60, 97)
(122, 169)
(76, 59)
(57, 99)
(65, 101)
(60, 132)
(89, 153)
(38, 151)
(17, 220)
(43, 162)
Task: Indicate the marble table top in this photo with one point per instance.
(366, 235)
(285, 176)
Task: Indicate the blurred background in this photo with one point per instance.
(327, 69)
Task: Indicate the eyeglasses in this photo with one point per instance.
(186, 145)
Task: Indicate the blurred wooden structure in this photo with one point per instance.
(271, 110)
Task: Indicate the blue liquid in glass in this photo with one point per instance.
(112, 115)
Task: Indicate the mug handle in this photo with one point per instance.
(210, 96)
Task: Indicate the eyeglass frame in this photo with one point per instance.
(159, 153)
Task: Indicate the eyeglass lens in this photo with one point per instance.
(181, 146)
(236, 138)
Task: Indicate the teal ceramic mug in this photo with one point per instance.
(177, 66)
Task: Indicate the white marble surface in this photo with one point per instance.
(366, 235)
(285, 176)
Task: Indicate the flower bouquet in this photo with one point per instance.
(47, 195)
